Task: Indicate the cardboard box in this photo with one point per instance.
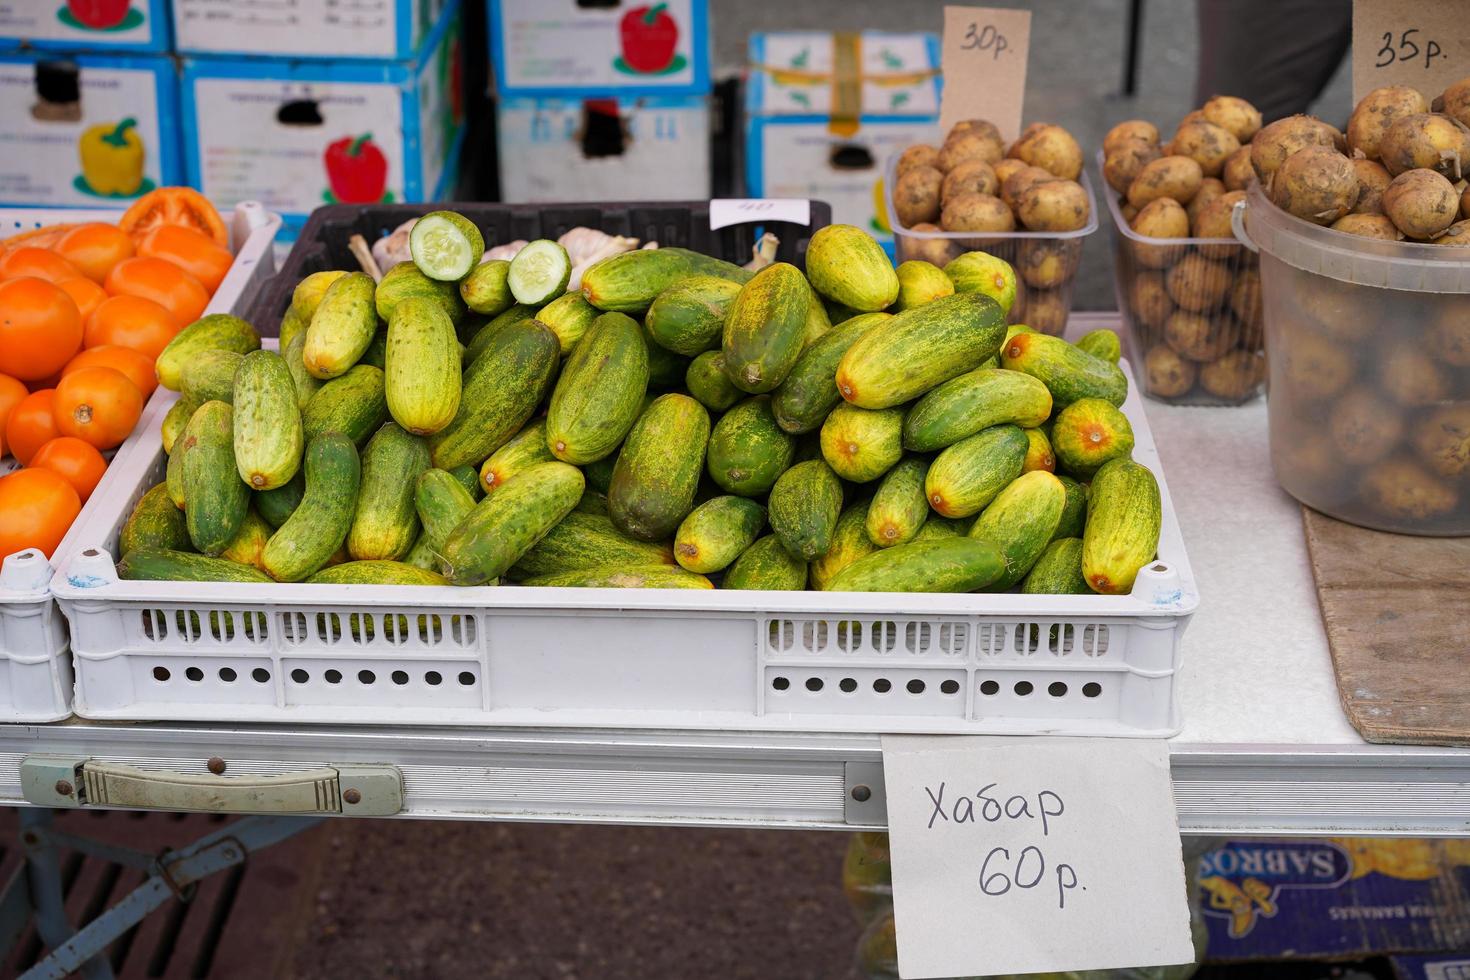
(65, 131)
(624, 47)
(137, 26)
(1450, 966)
(390, 30)
(632, 149)
(1336, 898)
(298, 134)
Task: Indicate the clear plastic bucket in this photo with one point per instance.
(1369, 376)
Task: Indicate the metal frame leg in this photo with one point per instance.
(47, 900)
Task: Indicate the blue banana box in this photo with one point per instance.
(385, 30)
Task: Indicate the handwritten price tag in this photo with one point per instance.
(726, 211)
(984, 60)
(1023, 855)
(1424, 44)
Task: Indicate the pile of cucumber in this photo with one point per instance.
(852, 427)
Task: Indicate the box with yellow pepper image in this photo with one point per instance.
(112, 157)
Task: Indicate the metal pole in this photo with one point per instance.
(43, 871)
(1130, 58)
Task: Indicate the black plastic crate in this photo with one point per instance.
(322, 244)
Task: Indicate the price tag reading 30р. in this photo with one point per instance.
(1022, 855)
(983, 55)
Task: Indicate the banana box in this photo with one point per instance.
(86, 131)
(1335, 898)
(136, 26)
(390, 30)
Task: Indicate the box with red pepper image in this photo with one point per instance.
(86, 131)
(391, 30)
(116, 26)
(567, 48)
(295, 134)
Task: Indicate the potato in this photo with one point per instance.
(1401, 489)
(1378, 110)
(1368, 226)
(1307, 457)
(1198, 285)
(968, 146)
(1235, 377)
(1442, 439)
(1364, 428)
(1449, 337)
(1206, 144)
(969, 177)
(1166, 374)
(1421, 203)
(1021, 181)
(1424, 141)
(1130, 129)
(1128, 211)
(918, 155)
(1194, 115)
(1236, 116)
(1214, 222)
(1051, 148)
(1149, 300)
(1245, 303)
(936, 251)
(1456, 234)
(1046, 311)
(1238, 172)
(1373, 180)
(1455, 101)
(984, 127)
(1006, 168)
(1125, 160)
(1172, 176)
(1279, 140)
(1160, 218)
(1209, 189)
(916, 195)
(1316, 368)
(977, 212)
(1199, 337)
(1055, 205)
(1047, 264)
(1465, 202)
(1335, 306)
(1411, 377)
(1315, 183)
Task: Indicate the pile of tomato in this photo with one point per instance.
(84, 311)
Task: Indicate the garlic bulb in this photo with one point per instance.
(392, 248)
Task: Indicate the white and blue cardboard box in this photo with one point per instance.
(388, 30)
(57, 114)
(137, 26)
(297, 134)
(563, 48)
(823, 113)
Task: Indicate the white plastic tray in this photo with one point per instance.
(35, 673)
(515, 656)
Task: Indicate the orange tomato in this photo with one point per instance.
(174, 206)
(44, 237)
(98, 405)
(161, 281)
(12, 393)
(85, 293)
(132, 321)
(40, 328)
(134, 365)
(31, 425)
(36, 510)
(75, 461)
(42, 263)
(193, 251)
(95, 248)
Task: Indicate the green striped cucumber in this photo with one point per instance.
(919, 349)
(706, 380)
(919, 283)
(689, 317)
(485, 290)
(174, 421)
(526, 448)
(278, 504)
(342, 327)
(1103, 344)
(716, 532)
(1067, 371)
(501, 390)
(377, 350)
(215, 501)
(941, 565)
(900, 505)
(421, 376)
(507, 523)
(600, 392)
(293, 325)
(155, 524)
(1088, 433)
(173, 475)
(767, 565)
(849, 543)
(268, 434)
(318, 526)
(587, 540)
(629, 577)
(1020, 522)
(1074, 514)
(862, 444)
(406, 279)
(1124, 515)
(441, 502)
(942, 527)
(817, 321)
(599, 474)
(210, 376)
(482, 336)
(765, 328)
(804, 506)
(986, 275)
(975, 400)
(354, 405)
(376, 572)
(966, 477)
(846, 265)
(748, 450)
(568, 316)
(1038, 452)
(307, 295)
(810, 392)
(163, 565)
(468, 477)
(630, 281)
(657, 472)
(215, 331)
(305, 383)
(386, 524)
(248, 544)
(1058, 571)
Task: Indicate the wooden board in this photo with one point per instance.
(1397, 612)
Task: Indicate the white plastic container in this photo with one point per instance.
(515, 656)
(35, 672)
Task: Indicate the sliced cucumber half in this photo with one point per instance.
(539, 273)
(445, 246)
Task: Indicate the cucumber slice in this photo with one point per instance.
(445, 246)
(539, 273)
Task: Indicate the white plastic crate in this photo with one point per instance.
(515, 656)
(35, 672)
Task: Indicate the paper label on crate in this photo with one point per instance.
(727, 211)
(984, 60)
(134, 23)
(1023, 855)
(562, 45)
(1424, 44)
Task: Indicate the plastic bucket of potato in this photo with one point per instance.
(1368, 344)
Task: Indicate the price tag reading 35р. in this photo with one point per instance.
(1424, 44)
(1022, 855)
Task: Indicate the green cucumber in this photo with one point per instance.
(1074, 514)
(354, 405)
(215, 501)
(307, 295)
(862, 444)
(847, 265)
(630, 281)
(441, 502)
(248, 543)
(445, 245)
(485, 290)
(267, 424)
(1039, 455)
(275, 506)
(421, 375)
(526, 448)
(568, 317)
(940, 565)
(210, 376)
(849, 543)
(942, 527)
(377, 350)
(406, 280)
(1102, 343)
(588, 540)
(163, 565)
(215, 331)
(748, 450)
(1058, 571)
(810, 392)
(318, 526)
(539, 273)
(986, 275)
(386, 524)
(919, 283)
(962, 406)
(967, 476)
(689, 317)
(482, 336)
(804, 506)
(507, 523)
(629, 577)
(376, 573)
(706, 380)
(716, 533)
(175, 419)
(1124, 514)
(305, 383)
(155, 524)
(900, 506)
(600, 392)
(767, 565)
(1020, 522)
(765, 328)
(657, 471)
(1067, 371)
(342, 327)
(1088, 433)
